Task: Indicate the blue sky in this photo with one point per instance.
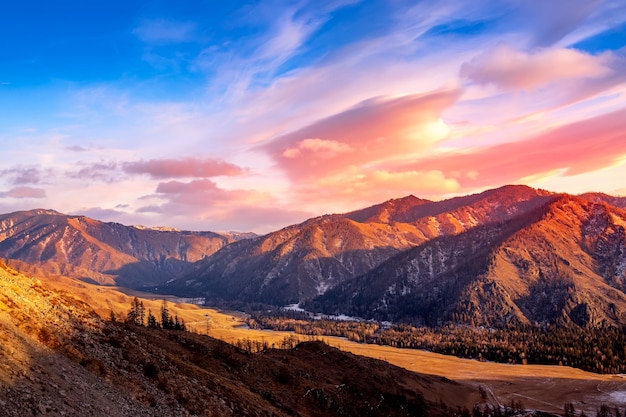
(254, 115)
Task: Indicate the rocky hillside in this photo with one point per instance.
(58, 358)
(563, 263)
(45, 242)
(303, 261)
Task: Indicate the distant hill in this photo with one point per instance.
(46, 242)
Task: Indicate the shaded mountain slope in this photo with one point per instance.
(73, 363)
(302, 261)
(562, 263)
(48, 242)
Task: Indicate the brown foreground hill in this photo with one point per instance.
(59, 358)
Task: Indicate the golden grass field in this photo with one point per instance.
(541, 387)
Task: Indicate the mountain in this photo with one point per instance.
(609, 199)
(560, 263)
(50, 243)
(73, 363)
(303, 261)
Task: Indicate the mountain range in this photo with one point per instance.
(506, 256)
(46, 242)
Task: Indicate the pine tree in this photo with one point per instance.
(166, 320)
(152, 321)
(136, 314)
(141, 313)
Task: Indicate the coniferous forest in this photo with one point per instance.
(594, 349)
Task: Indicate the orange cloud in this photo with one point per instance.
(573, 149)
(356, 188)
(329, 148)
(373, 131)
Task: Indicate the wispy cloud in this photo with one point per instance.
(106, 171)
(210, 113)
(162, 31)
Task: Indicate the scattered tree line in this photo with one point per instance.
(358, 331)
(138, 316)
(253, 345)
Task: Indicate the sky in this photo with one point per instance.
(251, 116)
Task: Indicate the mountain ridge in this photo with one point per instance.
(329, 253)
(564, 265)
(48, 242)
(302, 261)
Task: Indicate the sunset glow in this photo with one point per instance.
(231, 116)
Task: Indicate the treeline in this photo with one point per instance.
(600, 350)
(516, 409)
(138, 316)
(254, 345)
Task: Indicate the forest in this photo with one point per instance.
(594, 349)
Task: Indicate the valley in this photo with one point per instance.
(540, 387)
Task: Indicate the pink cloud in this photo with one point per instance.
(24, 192)
(205, 192)
(510, 69)
(185, 167)
(193, 187)
(203, 201)
(574, 149)
(329, 148)
(374, 130)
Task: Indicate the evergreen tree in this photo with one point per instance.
(167, 322)
(152, 321)
(136, 314)
(141, 313)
